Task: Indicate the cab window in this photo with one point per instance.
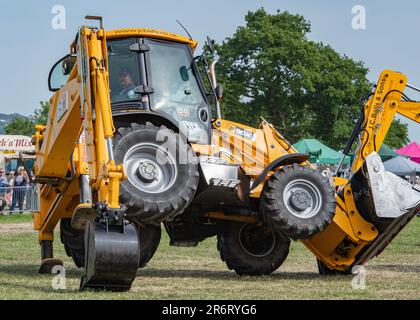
(123, 70)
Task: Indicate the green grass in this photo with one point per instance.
(198, 273)
(16, 218)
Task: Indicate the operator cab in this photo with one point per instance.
(160, 76)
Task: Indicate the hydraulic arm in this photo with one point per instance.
(373, 205)
(77, 173)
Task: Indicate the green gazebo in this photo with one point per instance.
(319, 152)
(386, 153)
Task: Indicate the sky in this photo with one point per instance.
(30, 45)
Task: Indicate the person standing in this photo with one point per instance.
(19, 186)
(3, 189)
(31, 203)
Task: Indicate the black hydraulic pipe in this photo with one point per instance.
(350, 141)
(354, 134)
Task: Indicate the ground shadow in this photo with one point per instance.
(43, 289)
(395, 268)
(31, 270)
(224, 275)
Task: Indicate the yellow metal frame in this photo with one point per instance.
(74, 141)
(151, 33)
(340, 243)
(380, 111)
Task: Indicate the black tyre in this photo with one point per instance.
(149, 240)
(298, 201)
(252, 250)
(73, 241)
(162, 178)
(325, 271)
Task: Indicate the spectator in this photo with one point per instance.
(9, 193)
(3, 189)
(31, 203)
(11, 176)
(19, 186)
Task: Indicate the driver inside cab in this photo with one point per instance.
(127, 85)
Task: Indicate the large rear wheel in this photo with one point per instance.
(73, 241)
(162, 172)
(253, 250)
(149, 240)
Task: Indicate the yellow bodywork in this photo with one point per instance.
(150, 33)
(252, 149)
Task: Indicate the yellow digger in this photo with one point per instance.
(136, 139)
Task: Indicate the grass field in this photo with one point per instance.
(198, 273)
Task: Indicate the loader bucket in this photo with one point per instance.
(111, 257)
(381, 196)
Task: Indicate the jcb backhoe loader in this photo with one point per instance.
(132, 142)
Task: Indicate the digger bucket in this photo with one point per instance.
(385, 200)
(381, 193)
(111, 257)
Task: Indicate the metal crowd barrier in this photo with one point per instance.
(18, 199)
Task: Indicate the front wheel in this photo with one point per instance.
(298, 201)
(253, 250)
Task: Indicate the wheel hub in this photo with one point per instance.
(148, 171)
(144, 170)
(300, 200)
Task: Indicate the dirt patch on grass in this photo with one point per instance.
(16, 227)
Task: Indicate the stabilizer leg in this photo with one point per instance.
(48, 262)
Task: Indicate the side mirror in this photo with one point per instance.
(60, 72)
(219, 92)
(183, 71)
(68, 64)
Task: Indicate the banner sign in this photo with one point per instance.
(9, 144)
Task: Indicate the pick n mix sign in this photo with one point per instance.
(15, 143)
